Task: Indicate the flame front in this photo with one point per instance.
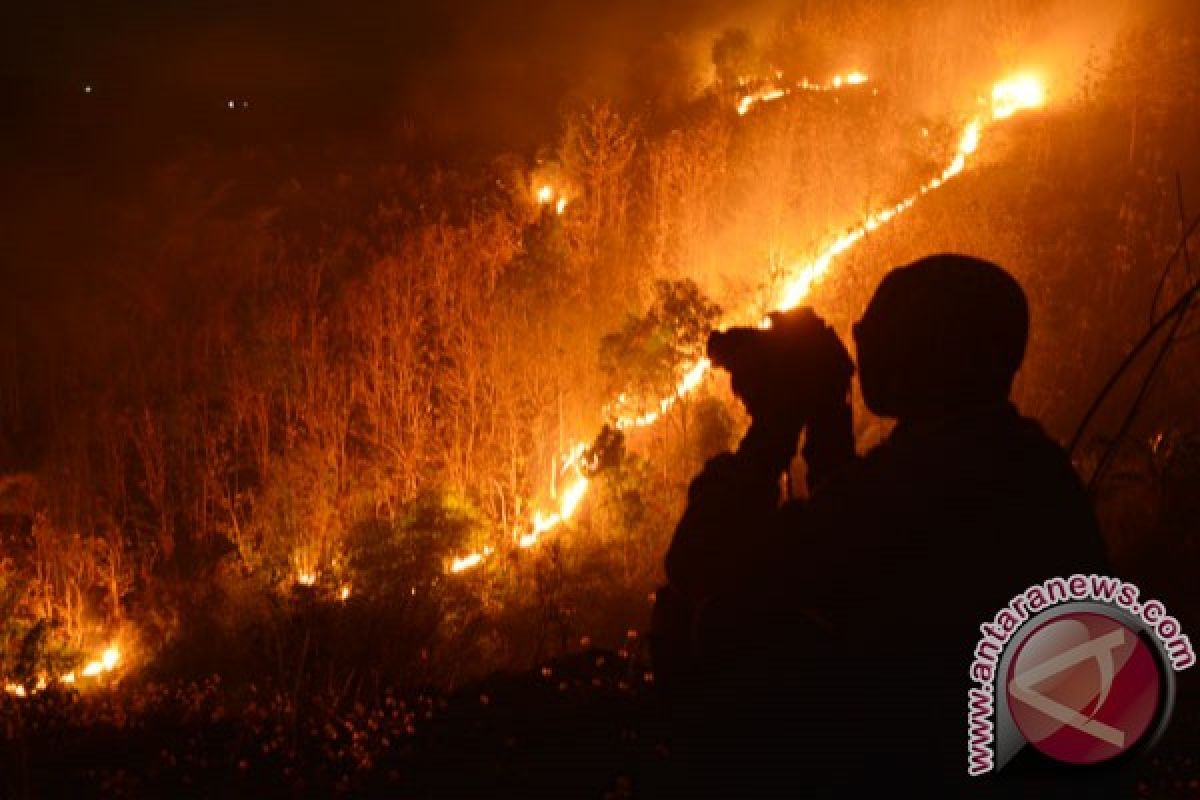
(107, 662)
(1020, 93)
(1009, 97)
(772, 92)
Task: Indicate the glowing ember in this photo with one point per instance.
(306, 578)
(545, 194)
(344, 593)
(1008, 97)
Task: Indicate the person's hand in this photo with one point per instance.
(792, 369)
(828, 441)
(769, 447)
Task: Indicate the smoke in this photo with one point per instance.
(1068, 37)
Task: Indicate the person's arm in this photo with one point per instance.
(729, 511)
(829, 442)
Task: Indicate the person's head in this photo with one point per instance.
(943, 333)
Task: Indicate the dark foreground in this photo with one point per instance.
(586, 726)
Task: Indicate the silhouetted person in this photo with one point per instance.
(822, 647)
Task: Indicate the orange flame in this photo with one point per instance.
(1019, 93)
(107, 662)
(547, 194)
(772, 92)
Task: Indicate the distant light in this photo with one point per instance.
(232, 104)
(87, 89)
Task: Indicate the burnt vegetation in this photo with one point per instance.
(281, 394)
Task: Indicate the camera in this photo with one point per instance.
(787, 368)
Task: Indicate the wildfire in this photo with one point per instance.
(107, 662)
(1009, 97)
(1017, 94)
(547, 194)
(470, 561)
(773, 92)
(571, 498)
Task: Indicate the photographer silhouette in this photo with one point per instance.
(821, 646)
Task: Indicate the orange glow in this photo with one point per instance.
(106, 663)
(570, 501)
(547, 194)
(470, 561)
(1019, 93)
(773, 92)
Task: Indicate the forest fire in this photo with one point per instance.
(1009, 97)
(1017, 94)
(108, 661)
(548, 195)
(773, 92)
(427, 425)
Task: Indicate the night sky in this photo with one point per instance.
(452, 67)
(309, 81)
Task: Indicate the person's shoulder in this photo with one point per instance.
(1027, 434)
(721, 469)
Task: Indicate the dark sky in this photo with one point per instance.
(168, 67)
(324, 81)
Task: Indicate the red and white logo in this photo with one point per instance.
(1084, 688)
